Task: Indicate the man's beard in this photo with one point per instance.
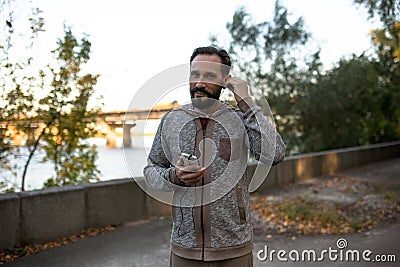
(206, 101)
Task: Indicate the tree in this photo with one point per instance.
(273, 55)
(388, 11)
(354, 103)
(387, 44)
(18, 84)
(67, 106)
(57, 124)
(340, 107)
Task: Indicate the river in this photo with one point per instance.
(110, 162)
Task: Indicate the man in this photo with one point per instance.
(211, 212)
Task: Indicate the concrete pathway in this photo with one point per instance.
(146, 243)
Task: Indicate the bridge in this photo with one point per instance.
(110, 125)
(126, 120)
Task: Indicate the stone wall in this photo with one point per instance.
(43, 215)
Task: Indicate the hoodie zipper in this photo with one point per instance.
(202, 197)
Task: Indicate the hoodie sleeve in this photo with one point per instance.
(263, 137)
(159, 173)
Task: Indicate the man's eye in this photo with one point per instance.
(210, 75)
(194, 75)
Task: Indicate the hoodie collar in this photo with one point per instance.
(188, 108)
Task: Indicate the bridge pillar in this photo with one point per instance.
(127, 138)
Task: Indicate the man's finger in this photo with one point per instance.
(180, 161)
(191, 175)
(193, 168)
(191, 179)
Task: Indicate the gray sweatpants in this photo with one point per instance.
(243, 261)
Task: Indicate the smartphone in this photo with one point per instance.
(189, 159)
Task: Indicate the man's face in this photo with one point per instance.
(205, 80)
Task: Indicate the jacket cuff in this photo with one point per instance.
(173, 178)
(246, 104)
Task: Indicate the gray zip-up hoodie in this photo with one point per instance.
(211, 220)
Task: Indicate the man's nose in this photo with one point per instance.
(200, 83)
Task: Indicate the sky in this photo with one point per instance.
(132, 41)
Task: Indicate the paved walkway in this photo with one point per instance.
(147, 243)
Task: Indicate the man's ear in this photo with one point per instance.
(225, 80)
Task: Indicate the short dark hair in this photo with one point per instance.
(210, 50)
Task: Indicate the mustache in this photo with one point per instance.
(201, 90)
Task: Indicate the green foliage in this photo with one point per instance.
(77, 167)
(17, 85)
(6, 188)
(340, 107)
(386, 126)
(388, 11)
(273, 56)
(57, 124)
(66, 106)
(354, 103)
